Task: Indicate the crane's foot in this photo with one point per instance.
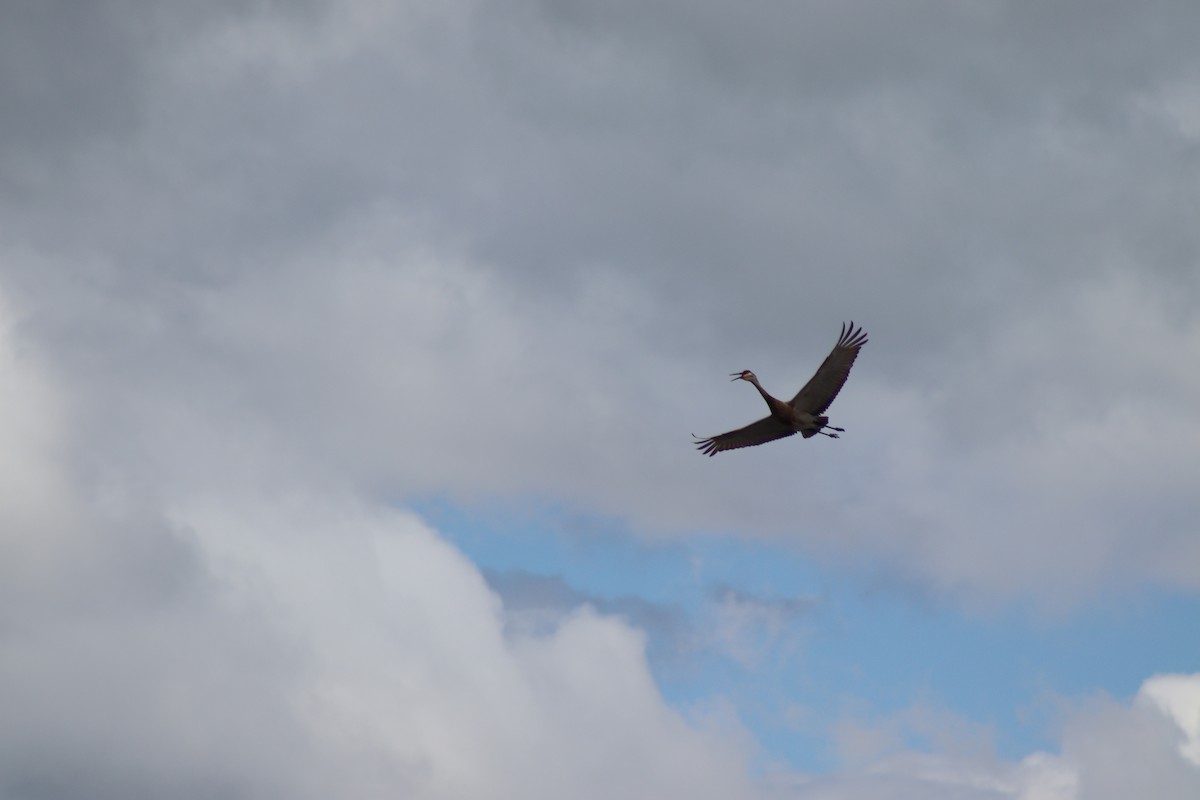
(830, 435)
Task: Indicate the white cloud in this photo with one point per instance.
(312, 647)
(1143, 749)
(409, 675)
(1178, 696)
(1110, 750)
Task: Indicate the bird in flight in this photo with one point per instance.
(805, 413)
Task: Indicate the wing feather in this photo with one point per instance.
(767, 429)
(820, 390)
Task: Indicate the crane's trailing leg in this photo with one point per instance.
(821, 424)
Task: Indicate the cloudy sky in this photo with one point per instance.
(350, 353)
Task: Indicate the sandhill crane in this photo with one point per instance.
(804, 414)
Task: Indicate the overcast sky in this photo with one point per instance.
(350, 353)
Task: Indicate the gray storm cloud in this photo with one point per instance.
(523, 242)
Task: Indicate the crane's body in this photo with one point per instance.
(805, 413)
(800, 422)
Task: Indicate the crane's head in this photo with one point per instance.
(744, 375)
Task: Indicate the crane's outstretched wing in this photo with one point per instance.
(820, 390)
(767, 429)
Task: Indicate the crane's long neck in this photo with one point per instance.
(772, 403)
